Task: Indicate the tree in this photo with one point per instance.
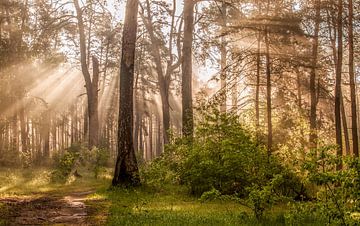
(163, 75)
(338, 81)
(126, 169)
(223, 61)
(313, 94)
(186, 87)
(91, 85)
(354, 127)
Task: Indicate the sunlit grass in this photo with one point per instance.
(172, 205)
(32, 182)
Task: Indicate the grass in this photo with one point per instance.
(33, 182)
(172, 205)
(168, 205)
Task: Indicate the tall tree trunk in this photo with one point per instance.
(126, 169)
(257, 88)
(354, 128)
(163, 77)
(91, 85)
(345, 127)
(93, 105)
(24, 133)
(150, 151)
(186, 87)
(268, 92)
(313, 97)
(46, 120)
(338, 83)
(223, 85)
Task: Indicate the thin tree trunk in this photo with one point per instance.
(313, 97)
(354, 128)
(223, 85)
(90, 85)
(345, 127)
(268, 92)
(186, 87)
(338, 83)
(257, 88)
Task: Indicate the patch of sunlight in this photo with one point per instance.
(96, 196)
(42, 179)
(70, 180)
(4, 188)
(172, 207)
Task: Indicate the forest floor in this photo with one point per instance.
(27, 198)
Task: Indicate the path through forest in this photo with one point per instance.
(47, 209)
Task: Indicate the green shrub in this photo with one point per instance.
(222, 156)
(64, 165)
(337, 197)
(76, 156)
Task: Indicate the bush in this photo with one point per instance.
(338, 191)
(76, 156)
(222, 156)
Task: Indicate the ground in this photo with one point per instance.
(29, 199)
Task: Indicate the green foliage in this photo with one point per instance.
(224, 162)
(77, 155)
(64, 164)
(213, 194)
(338, 194)
(172, 205)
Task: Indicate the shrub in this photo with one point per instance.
(338, 191)
(222, 156)
(77, 155)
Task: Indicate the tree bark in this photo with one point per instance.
(354, 127)
(257, 88)
(126, 169)
(345, 126)
(223, 85)
(338, 83)
(186, 87)
(313, 93)
(268, 92)
(91, 85)
(162, 75)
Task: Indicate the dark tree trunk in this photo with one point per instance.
(223, 85)
(126, 169)
(23, 131)
(93, 106)
(338, 83)
(91, 85)
(313, 93)
(345, 126)
(355, 144)
(257, 88)
(186, 87)
(268, 92)
(162, 75)
(46, 135)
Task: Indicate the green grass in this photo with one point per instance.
(173, 206)
(32, 182)
(168, 205)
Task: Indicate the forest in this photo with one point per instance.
(179, 112)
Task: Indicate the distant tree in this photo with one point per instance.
(186, 87)
(126, 169)
(91, 85)
(354, 127)
(338, 80)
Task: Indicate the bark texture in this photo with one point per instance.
(126, 169)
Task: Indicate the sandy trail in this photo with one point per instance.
(46, 210)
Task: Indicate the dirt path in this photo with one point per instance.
(48, 210)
